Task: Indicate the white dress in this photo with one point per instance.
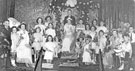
(86, 55)
(68, 38)
(51, 32)
(23, 50)
(102, 43)
(15, 39)
(37, 41)
(49, 54)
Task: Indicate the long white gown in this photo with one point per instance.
(23, 51)
(14, 38)
(49, 54)
(68, 37)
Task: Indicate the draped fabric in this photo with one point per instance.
(115, 11)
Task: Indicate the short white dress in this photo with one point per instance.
(86, 55)
(49, 54)
(37, 41)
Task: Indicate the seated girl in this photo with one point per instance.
(15, 39)
(49, 46)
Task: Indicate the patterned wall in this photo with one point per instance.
(29, 10)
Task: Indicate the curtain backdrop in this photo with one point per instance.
(116, 11)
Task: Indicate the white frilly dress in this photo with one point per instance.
(86, 55)
(23, 50)
(37, 41)
(49, 54)
(15, 39)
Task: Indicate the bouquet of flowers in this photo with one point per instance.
(21, 37)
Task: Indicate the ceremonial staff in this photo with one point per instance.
(38, 65)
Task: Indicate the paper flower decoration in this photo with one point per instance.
(13, 22)
(71, 3)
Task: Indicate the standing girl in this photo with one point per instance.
(127, 49)
(38, 38)
(86, 51)
(14, 39)
(23, 50)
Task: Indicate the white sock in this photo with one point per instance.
(13, 62)
(121, 67)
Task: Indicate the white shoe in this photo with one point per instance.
(131, 69)
(13, 63)
(121, 67)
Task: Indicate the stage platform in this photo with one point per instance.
(58, 67)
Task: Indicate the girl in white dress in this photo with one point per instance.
(126, 51)
(15, 39)
(101, 41)
(38, 38)
(40, 24)
(50, 30)
(23, 49)
(68, 38)
(86, 51)
(102, 44)
(49, 46)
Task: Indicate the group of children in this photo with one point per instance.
(90, 40)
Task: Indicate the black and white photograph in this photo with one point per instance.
(67, 35)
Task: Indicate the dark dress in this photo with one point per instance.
(7, 34)
(6, 49)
